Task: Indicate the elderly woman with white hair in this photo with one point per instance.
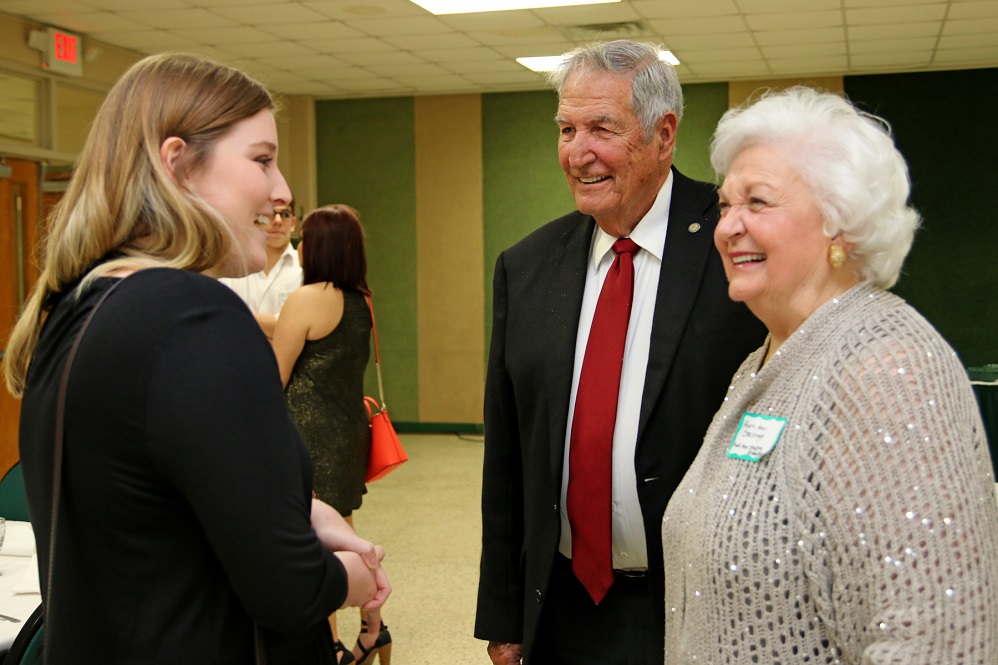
(841, 509)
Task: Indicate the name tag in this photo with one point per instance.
(756, 436)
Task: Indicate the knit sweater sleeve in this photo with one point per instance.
(898, 520)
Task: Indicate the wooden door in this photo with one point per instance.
(19, 235)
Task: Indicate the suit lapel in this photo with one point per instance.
(561, 313)
(683, 261)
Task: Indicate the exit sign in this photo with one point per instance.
(63, 52)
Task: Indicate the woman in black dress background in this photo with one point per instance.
(322, 343)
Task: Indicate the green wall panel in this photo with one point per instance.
(944, 127)
(366, 158)
(705, 104)
(523, 184)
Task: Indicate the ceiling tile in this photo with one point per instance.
(304, 63)
(347, 73)
(375, 59)
(709, 41)
(541, 35)
(498, 78)
(262, 50)
(357, 46)
(791, 37)
(478, 55)
(366, 9)
(896, 30)
(697, 26)
(803, 50)
(374, 86)
(400, 26)
(673, 10)
(178, 18)
(34, 7)
(121, 5)
(882, 61)
(273, 13)
(978, 57)
(780, 6)
(965, 10)
(716, 40)
(920, 44)
(505, 65)
(723, 55)
(794, 20)
(529, 50)
(879, 15)
(813, 66)
(225, 36)
(423, 42)
(149, 41)
(400, 71)
(436, 83)
(511, 20)
(91, 22)
(730, 69)
(321, 31)
(588, 14)
(985, 26)
(888, 3)
(982, 41)
(209, 4)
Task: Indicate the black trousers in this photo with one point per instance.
(573, 630)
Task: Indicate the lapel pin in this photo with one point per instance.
(694, 227)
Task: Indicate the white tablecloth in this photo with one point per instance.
(19, 595)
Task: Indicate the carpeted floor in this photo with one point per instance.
(427, 516)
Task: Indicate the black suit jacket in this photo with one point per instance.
(699, 337)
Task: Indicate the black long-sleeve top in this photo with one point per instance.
(186, 488)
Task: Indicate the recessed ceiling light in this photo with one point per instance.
(549, 63)
(470, 7)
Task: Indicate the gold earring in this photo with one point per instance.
(836, 256)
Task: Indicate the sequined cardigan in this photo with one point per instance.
(868, 534)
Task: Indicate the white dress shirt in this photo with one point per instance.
(628, 532)
(265, 293)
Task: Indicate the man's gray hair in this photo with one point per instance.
(655, 89)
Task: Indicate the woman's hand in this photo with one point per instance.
(367, 588)
(368, 583)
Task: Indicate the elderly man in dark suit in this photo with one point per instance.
(593, 412)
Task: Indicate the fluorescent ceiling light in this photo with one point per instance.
(473, 6)
(549, 63)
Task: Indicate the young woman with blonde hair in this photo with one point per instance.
(185, 529)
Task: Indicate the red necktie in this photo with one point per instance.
(591, 450)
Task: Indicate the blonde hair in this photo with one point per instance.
(122, 205)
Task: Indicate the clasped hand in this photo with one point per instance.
(368, 585)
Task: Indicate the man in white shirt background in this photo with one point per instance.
(266, 291)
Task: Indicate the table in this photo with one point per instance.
(15, 570)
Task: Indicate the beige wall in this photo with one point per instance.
(296, 158)
(739, 91)
(449, 258)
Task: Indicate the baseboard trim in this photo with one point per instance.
(438, 428)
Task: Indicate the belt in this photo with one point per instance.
(633, 573)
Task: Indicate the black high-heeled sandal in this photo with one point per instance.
(343, 655)
(382, 645)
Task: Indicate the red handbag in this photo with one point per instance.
(386, 449)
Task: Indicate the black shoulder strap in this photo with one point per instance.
(60, 413)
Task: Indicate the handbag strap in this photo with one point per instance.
(60, 417)
(377, 356)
